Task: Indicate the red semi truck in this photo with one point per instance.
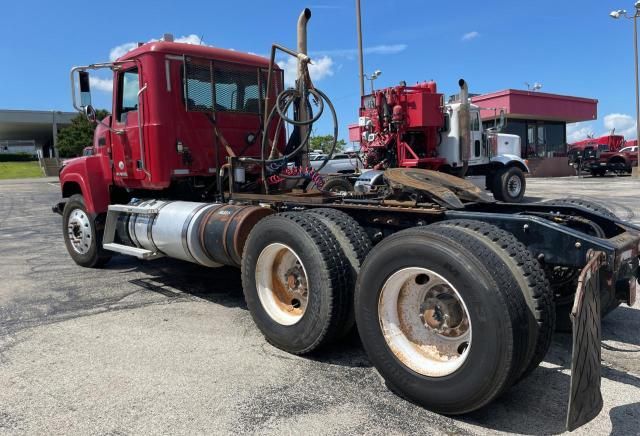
(599, 155)
(455, 295)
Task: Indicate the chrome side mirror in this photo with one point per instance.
(85, 89)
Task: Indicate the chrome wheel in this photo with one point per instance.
(79, 231)
(514, 186)
(425, 322)
(281, 282)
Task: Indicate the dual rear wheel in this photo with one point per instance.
(451, 314)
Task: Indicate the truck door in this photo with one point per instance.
(125, 140)
(477, 149)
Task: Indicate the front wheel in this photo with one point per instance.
(82, 235)
(509, 185)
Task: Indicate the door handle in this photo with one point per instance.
(120, 132)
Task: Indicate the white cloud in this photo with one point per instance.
(318, 70)
(578, 131)
(622, 123)
(190, 39)
(122, 49)
(383, 49)
(105, 85)
(470, 35)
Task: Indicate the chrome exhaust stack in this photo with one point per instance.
(303, 114)
(464, 125)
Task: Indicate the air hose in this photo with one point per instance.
(283, 102)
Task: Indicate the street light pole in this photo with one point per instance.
(635, 47)
(374, 76)
(616, 15)
(360, 53)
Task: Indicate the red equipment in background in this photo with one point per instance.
(400, 127)
(603, 143)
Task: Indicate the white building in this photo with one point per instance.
(25, 131)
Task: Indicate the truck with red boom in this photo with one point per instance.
(455, 296)
(411, 127)
(599, 155)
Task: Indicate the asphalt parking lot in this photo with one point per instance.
(169, 347)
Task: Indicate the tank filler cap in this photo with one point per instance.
(167, 37)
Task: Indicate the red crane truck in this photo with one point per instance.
(455, 296)
(411, 127)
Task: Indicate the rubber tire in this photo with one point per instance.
(494, 359)
(354, 244)
(327, 273)
(589, 205)
(337, 184)
(499, 188)
(520, 266)
(607, 303)
(97, 256)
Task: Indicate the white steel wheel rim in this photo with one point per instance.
(514, 185)
(281, 282)
(79, 231)
(425, 322)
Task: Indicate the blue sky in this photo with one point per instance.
(571, 47)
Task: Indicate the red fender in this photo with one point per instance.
(92, 175)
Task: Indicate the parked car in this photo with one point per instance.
(343, 163)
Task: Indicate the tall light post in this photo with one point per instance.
(360, 53)
(375, 75)
(621, 13)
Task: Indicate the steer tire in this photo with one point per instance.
(354, 244)
(327, 277)
(95, 256)
(564, 292)
(499, 339)
(501, 182)
(518, 266)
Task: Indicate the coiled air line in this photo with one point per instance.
(283, 102)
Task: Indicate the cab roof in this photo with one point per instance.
(200, 51)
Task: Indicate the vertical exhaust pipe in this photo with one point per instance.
(303, 113)
(303, 19)
(464, 126)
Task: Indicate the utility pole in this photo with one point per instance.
(360, 53)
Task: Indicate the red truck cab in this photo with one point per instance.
(175, 108)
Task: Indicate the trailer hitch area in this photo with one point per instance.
(585, 399)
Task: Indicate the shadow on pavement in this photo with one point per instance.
(536, 405)
(623, 417)
(174, 278)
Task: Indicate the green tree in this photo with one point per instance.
(72, 139)
(324, 143)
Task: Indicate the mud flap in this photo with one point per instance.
(585, 400)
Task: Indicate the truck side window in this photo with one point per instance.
(128, 86)
(475, 121)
